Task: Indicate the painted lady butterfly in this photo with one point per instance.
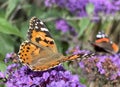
(39, 52)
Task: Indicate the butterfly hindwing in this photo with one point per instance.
(37, 58)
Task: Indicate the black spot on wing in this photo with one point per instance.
(38, 39)
(46, 41)
(51, 42)
(28, 48)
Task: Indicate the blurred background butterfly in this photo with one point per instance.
(103, 43)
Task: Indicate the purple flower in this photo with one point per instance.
(11, 56)
(8, 56)
(12, 67)
(46, 75)
(55, 84)
(49, 3)
(64, 27)
(100, 66)
(24, 77)
(78, 7)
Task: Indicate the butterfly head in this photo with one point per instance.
(101, 34)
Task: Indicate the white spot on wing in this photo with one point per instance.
(98, 36)
(41, 22)
(35, 23)
(36, 27)
(44, 29)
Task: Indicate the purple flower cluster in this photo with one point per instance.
(11, 56)
(78, 7)
(64, 27)
(17, 76)
(24, 77)
(105, 67)
(50, 3)
(106, 6)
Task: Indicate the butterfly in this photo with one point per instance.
(39, 52)
(104, 44)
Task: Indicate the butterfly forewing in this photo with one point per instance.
(39, 34)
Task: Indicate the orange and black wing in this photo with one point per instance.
(40, 35)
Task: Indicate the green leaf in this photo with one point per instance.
(89, 30)
(83, 80)
(2, 85)
(90, 8)
(7, 28)
(83, 24)
(24, 29)
(50, 13)
(2, 66)
(6, 44)
(73, 24)
(11, 7)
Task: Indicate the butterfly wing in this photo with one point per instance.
(39, 34)
(37, 58)
(103, 47)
